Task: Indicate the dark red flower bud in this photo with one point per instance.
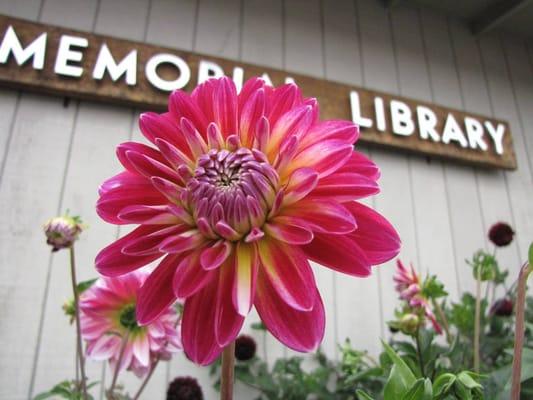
(501, 234)
(502, 307)
(184, 388)
(245, 348)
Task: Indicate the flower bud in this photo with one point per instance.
(245, 348)
(409, 323)
(62, 232)
(184, 388)
(501, 234)
(70, 310)
(502, 307)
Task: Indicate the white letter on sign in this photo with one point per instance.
(452, 131)
(35, 49)
(474, 131)
(402, 123)
(105, 61)
(162, 84)
(427, 120)
(356, 111)
(66, 54)
(497, 135)
(208, 69)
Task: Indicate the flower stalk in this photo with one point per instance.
(477, 320)
(419, 353)
(227, 372)
(519, 331)
(146, 379)
(79, 347)
(119, 362)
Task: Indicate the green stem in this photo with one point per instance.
(145, 381)
(79, 347)
(117, 367)
(477, 320)
(519, 331)
(227, 372)
(419, 353)
(444, 320)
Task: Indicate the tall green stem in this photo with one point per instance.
(145, 381)
(519, 331)
(477, 320)
(419, 353)
(117, 367)
(227, 372)
(79, 347)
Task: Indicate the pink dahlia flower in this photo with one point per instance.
(409, 287)
(238, 194)
(107, 312)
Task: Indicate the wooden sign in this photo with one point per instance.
(69, 63)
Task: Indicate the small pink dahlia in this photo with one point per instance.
(409, 287)
(238, 194)
(107, 312)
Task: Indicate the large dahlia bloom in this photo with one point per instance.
(238, 194)
(107, 312)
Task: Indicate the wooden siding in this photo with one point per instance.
(54, 153)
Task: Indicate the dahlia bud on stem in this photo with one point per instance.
(519, 331)
(227, 372)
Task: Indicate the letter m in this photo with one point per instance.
(11, 45)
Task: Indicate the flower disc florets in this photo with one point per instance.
(236, 194)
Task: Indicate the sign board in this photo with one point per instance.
(70, 63)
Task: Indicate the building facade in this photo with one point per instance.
(55, 151)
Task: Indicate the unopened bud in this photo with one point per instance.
(409, 323)
(62, 232)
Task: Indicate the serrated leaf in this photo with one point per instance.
(83, 286)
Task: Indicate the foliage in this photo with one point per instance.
(70, 390)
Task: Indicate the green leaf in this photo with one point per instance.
(83, 286)
(443, 383)
(401, 378)
(467, 379)
(421, 390)
(361, 395)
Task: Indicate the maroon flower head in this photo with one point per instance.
(245, 348)
(502, 307)
(184, 388)
(501, 234)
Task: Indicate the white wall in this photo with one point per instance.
(54, 152)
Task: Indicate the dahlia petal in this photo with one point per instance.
(123, 148)
(149, 244)
(112, 262)
(181, 105)
(149, 215)
(203, 96)
(190, 277)
(212, 257)
(295, 122)
(165, 127)
(289, 273)
(225, 106)
(361, 164)
(324, 157)
(338, 252)
(320, 216)
(228, 322)
(250, 114)
(279, 228)
(226, 231)
(156, 294)
(124, 179)
(104, 347)
(301, 183)
(199, 342)
(167, 188)
(374, 234)
(182, 242)
(298, 330)
(250, 87)
(281, 100)
(149, 167)
(141, 351)
(344, 131)
(246, 264)
(196, 143)
(172, 154)
(215, 140)
(345, 186)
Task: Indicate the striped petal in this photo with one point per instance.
(345, 186)
(190, 277)
(296, 329)
(156, 293)
(245, 265)
(289, 273)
